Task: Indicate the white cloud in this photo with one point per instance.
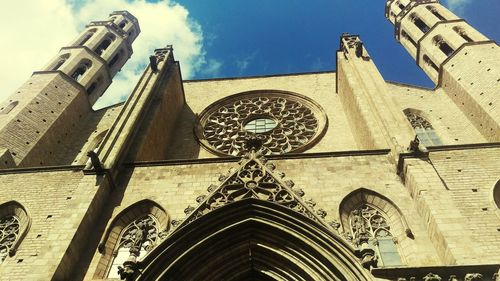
(33, 32)
(243, 63)
(457, 6)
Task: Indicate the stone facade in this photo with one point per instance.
(332, 185)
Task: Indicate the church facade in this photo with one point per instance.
(311, 176)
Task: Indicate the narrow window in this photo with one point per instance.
(123, 23)
(435, 12)
(407, 37)
(443, 46)
(401, 6)
(103, 46)
(137, 239)
(420, 24)
(92, 88)
(80, 71)
(115, 59)
(429, 62)
(87, 37)
(462, 33)
(370, 226)
(423, 128)
(62, 59)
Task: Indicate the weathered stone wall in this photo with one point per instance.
(453, 193)
(449, 122)
(57, 202)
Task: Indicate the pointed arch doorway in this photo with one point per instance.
(252, 240)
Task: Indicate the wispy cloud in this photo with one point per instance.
(243, 63)
(30, 44)
(457, 6)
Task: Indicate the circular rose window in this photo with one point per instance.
(284, 121)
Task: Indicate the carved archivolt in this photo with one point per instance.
(284, 121)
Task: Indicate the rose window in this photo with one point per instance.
(284, 121)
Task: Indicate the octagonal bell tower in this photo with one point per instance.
(457, 57)
(38, 119)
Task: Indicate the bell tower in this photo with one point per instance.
(46, 110)
(458, 58)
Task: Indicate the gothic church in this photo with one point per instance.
(312, 176)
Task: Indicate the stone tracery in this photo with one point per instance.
(297, 120)
(9, 232)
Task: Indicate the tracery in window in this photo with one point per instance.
(136, 240)
(9, 233)
(423, 128)
(284, 121)
(369, 226)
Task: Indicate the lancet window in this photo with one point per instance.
(443, 46)
(369, 226)
(430, 63)
(435, 12)
(135, 241)
(423, 128)
(420, 23)
(460, 31)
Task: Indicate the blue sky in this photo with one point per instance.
(263, 37)
(220, 38)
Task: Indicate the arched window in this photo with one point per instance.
(137, 239)
(419, 23)
(113, 61)
(123, 23)
(104, 44)
(496, 194)
(435, 12)
(87, 37)
(9, 107)
(9, 233)
(376, 226)
(130, 235)
(80, 71)
(14, 224)
(443, 45)
(407, 37)
(62, 59)
(423, 128)
(368, 224)
(430, 63)
(460, 31)
(401, 6)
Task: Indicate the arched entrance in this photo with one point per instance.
(252, 240)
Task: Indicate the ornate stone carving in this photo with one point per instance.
(189, 210)
(253, 179)
(9, 232)
(432, 277)
(322, 213)
(141, 234)
(473, 277)
(417, 121)
(285, 122)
